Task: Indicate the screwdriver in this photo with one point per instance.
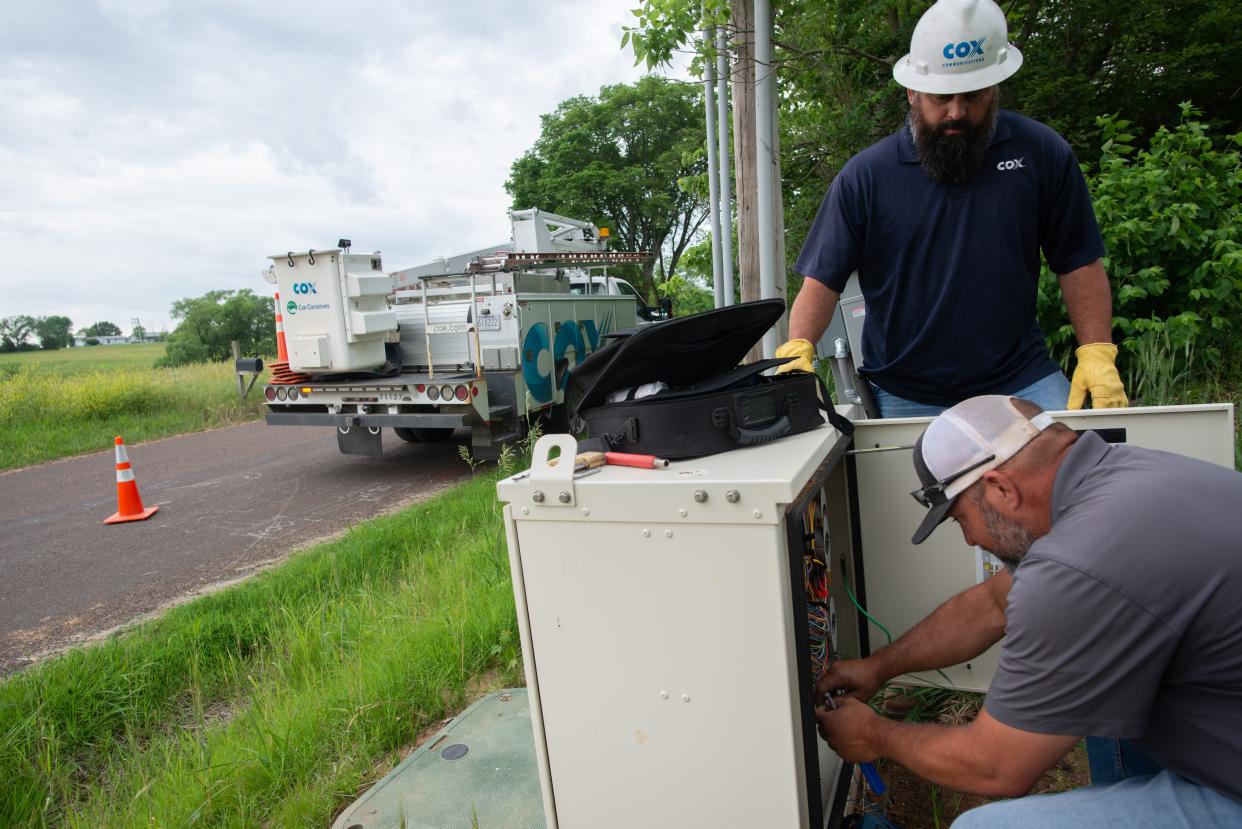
(591, 460)
(874, 781)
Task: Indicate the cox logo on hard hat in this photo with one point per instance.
(304, 288)
(964, 49)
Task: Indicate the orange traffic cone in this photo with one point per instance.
(281, 374)
(128, 501)
(282, 350)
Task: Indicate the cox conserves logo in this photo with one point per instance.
(292, 307)
(304, 288)
(963, 52)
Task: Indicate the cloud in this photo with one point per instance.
(154, 150)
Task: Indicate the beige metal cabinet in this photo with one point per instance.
(664, 641)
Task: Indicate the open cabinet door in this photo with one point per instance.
(899, 583)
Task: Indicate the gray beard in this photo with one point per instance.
(951, 159)
(1010, 541)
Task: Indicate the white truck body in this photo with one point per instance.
(482, 340)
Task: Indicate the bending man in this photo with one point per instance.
(1119, 620)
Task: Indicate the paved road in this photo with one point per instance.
(231, 500)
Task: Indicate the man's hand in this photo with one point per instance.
(855, 677)
(846, 729)
(803, 350)
(1096, 373)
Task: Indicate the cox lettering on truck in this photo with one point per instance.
(539, 384)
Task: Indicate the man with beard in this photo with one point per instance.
(944, 222)
(1119, 619)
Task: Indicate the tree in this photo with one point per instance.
(101, 329)
(54, 332)
(139, 333)
(622, 160)
(1139, 58)
(1171, 217)
(15, 331)
(210, 322)
(1083, 58)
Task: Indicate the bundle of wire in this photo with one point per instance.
(819, 624)
(816, 583)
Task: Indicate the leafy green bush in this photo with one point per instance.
(1171, 217)
(210, 322)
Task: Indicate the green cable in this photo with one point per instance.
(846, 584)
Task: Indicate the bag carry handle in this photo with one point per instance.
(753, 437)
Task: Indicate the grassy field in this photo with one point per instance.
(69, 361)
(269, 704)
(75, 400)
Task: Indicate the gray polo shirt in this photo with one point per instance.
(1126, 619)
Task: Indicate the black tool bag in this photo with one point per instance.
(712, 404)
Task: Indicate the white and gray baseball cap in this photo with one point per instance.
(961, 444)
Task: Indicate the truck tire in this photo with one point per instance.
(405, 433)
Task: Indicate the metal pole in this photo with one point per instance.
(764, 97)
(722, 162)
(713, 186)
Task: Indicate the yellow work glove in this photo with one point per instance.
(803, 350)
(1096, 373)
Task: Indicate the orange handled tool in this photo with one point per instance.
(591, 460)
(640, 461)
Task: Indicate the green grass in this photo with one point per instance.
(69, 361)
(71, 401)
(268, 704)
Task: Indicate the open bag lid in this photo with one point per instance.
(679, 352)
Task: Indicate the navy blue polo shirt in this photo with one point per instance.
(950, 272)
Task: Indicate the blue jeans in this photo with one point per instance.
(1160, 800)
(1112, 760)
(1050, 394)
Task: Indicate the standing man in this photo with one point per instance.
(1119, 619)
(944, 222)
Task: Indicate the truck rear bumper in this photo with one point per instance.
(428, 420)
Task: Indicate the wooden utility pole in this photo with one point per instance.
(744, 153)
(744, 148)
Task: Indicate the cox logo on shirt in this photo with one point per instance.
(304, 288)
(965, 49)
(1012, 164)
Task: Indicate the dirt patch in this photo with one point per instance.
(912, 803)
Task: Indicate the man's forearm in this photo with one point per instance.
(942, 754)
(960, 629)
(1089, 302)
(812, 310)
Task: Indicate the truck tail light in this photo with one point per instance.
(474, 391)
(270, 393)
(461, 393)
(420, 388)
(281, 393)
(293, 394)
(446, 392)
(433, 392)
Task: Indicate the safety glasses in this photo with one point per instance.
(933, 495)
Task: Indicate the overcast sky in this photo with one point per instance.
(152, 150)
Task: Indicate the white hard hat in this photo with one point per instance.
(958, 46)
